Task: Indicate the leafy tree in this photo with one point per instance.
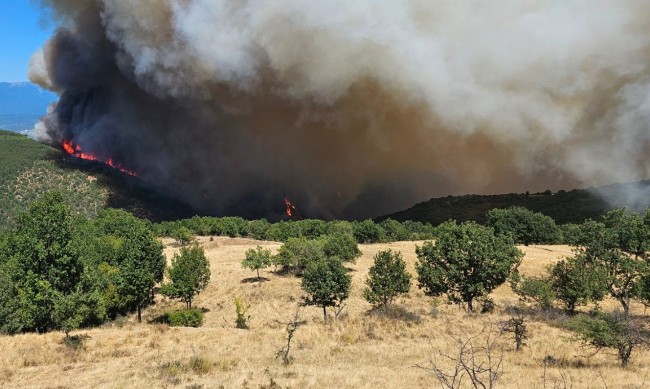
(368, 232)
(339, 226)
(68, 312)
(576, 282)
(620, 246)
(188, 275)
(523, 225)
(297, 253)
(326, 283)
(467, 262)
(342, 246)
(537, 289)
(611, 331)
(9, 304)
(182, 235)
(257, 259)
(40, 244)
(387, 279)
(394, 231)
(136, 260)
(258, 229)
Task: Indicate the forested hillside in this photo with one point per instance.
(29, 169)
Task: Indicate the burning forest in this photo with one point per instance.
(351, 109)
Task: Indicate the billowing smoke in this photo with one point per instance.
(352, 108)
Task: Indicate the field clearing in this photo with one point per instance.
(356, 351)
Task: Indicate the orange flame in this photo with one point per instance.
(290, 207)
(75, 151)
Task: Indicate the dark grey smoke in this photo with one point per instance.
(352, 108)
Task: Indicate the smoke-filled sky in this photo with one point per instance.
(352, 108)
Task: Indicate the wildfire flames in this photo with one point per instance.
(75, 151)
(291, 209)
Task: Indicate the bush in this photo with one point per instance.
(326, 283)
(615, 331)
(184, 318)
(575, 282)
(297, 253)
(387, 279)
(523, 225)
(241, 308)
(188, 275)
(537, 289)
(257, 259)
(342, 246)
(368, 232)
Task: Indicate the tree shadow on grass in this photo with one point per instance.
(253, 280)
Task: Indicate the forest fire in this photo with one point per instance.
(292, 211)
(75, 150)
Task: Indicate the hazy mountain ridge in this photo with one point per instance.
(573, 206)
(22, 104)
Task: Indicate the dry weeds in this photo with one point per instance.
(356, 351)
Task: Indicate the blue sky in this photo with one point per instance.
(23, 29)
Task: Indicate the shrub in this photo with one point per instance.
(575, 282)
(342, 246)
(182, 235)
(257, 259)
(387, 279)
(368, 232)
(184, 318)
(537, 289)
(326, 283)
(615, 331)
(241, 309)
(188, 275)
(523, 225)
(297, 253)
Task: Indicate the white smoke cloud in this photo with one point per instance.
(483, 96)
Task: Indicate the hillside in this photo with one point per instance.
(572, 206)
(28, 169)
(359, 350)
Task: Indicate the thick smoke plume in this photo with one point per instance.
(352, 108)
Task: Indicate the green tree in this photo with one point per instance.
(394, 231)
(368, 232)
(523, 225)
(576, 282)
(257, 259)
(188, 275)
(68, 312)
(297, 253)
(620, 246)
(537, 289)
(326, 283)
(467, 262)
(387, 279)
(182, 235)
(342, 246)
(614, 331)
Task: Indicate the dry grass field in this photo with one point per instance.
(357, 350)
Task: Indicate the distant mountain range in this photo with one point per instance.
(22, 104)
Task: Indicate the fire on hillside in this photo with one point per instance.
(75, 150)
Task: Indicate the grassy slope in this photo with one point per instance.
(28, 169)
(357, 351)
(572, 206)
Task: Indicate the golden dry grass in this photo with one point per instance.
(355, 351)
